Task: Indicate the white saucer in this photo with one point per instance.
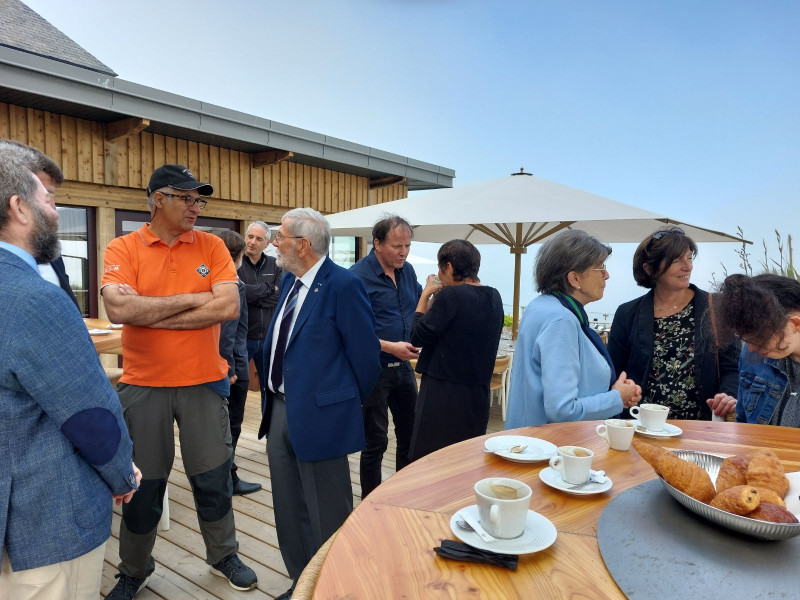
(792, 498)
(668, 431)
(537, 450)
(539, 534)
(553, 478)
(99, 332)
(115, 326)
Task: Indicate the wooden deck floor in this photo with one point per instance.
(181, 571)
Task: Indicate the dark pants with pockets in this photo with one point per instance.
(202, 417)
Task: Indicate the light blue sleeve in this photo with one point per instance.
(574, 390)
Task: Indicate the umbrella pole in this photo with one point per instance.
(517, 250)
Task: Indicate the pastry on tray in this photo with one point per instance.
(689, 478)
(732, 472)
(766, 470)
(773, 513)
(739, 500)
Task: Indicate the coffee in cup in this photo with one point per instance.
(617, 432)
(573, 463)
(503, 506)
(653, 417)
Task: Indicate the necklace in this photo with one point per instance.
(663, 308)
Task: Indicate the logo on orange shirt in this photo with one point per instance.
(203, 270)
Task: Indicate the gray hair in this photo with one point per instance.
(261, 224)
(310, 224)
(16, 179)
(570, 250)
(34, 160)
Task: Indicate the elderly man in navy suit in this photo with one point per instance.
(65, 446)
(321, 364)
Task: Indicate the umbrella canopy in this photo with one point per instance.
(518, 211)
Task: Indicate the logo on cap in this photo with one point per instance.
(203, 270)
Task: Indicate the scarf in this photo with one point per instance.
(576, 308)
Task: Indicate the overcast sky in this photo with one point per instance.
(681, 107)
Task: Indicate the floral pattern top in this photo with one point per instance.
(671, 381)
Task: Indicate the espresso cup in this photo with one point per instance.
(573, 463)
(617, 433)
(503, 506)
(652, 416)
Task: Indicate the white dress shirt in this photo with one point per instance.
(307, 279)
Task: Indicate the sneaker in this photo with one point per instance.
(239, 575)
(126, 588)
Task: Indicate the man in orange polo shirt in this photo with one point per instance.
(171, 286)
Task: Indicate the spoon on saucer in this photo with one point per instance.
(514, 449)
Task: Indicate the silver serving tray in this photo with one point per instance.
(752, 527)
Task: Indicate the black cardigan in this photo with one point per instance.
(630, 344)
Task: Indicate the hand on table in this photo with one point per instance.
(722, 404)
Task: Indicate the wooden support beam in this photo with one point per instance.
(273, 157)
(125, 127)
(380, 182)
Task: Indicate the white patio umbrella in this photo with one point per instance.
(518, 211)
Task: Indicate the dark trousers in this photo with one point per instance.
(311, 499)
(205, 436)
(396, 390)
(236, 402)
(255, 352)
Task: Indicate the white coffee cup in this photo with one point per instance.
(503, 517)
(651, 416)
(617, 432)
(573, 462)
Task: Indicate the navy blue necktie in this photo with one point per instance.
(276, 377)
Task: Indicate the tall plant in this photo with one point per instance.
(784, 265)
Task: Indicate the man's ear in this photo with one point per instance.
(18, 210)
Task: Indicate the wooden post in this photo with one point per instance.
(517, 250)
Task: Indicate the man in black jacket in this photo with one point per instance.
(260, 275)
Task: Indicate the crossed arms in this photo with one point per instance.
(181, 311)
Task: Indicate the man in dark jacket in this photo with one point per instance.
(233, 348)
(260, 275)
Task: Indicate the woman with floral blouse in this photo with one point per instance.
(664, 340)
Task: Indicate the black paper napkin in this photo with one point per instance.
(458, 551)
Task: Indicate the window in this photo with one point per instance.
(76, 230)
(344, 250)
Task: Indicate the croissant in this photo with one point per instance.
(773, 513)
(683, 475)
(732, 472)
(766, 470)
(768, 495)
(650, 453)
(739, 500)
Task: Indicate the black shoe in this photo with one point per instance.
(239, 575)
(126, 588)
(287, 595)
(240, 488)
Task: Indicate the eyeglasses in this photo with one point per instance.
(188, 200)
(278, 236)
(603, 270)
(659, 234)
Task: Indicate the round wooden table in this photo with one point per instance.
(385, 548)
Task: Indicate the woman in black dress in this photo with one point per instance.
(459, 333)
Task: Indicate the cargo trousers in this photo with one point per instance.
(207, 454)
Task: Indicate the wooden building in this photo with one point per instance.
(108, 135)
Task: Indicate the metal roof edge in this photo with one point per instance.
(47, 77)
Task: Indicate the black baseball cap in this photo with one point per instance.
(179, 178)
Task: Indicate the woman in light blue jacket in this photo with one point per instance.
(562, 370)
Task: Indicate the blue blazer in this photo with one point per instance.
(64, 447)
(330, 366)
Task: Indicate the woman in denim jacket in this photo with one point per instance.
(764, 311)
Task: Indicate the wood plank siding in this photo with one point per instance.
(82, 151)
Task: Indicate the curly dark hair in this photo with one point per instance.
(755, 309)
(658, 250)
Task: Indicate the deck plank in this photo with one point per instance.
(181, 572)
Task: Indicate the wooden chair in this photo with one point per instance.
(308, 578)
(499, 381)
